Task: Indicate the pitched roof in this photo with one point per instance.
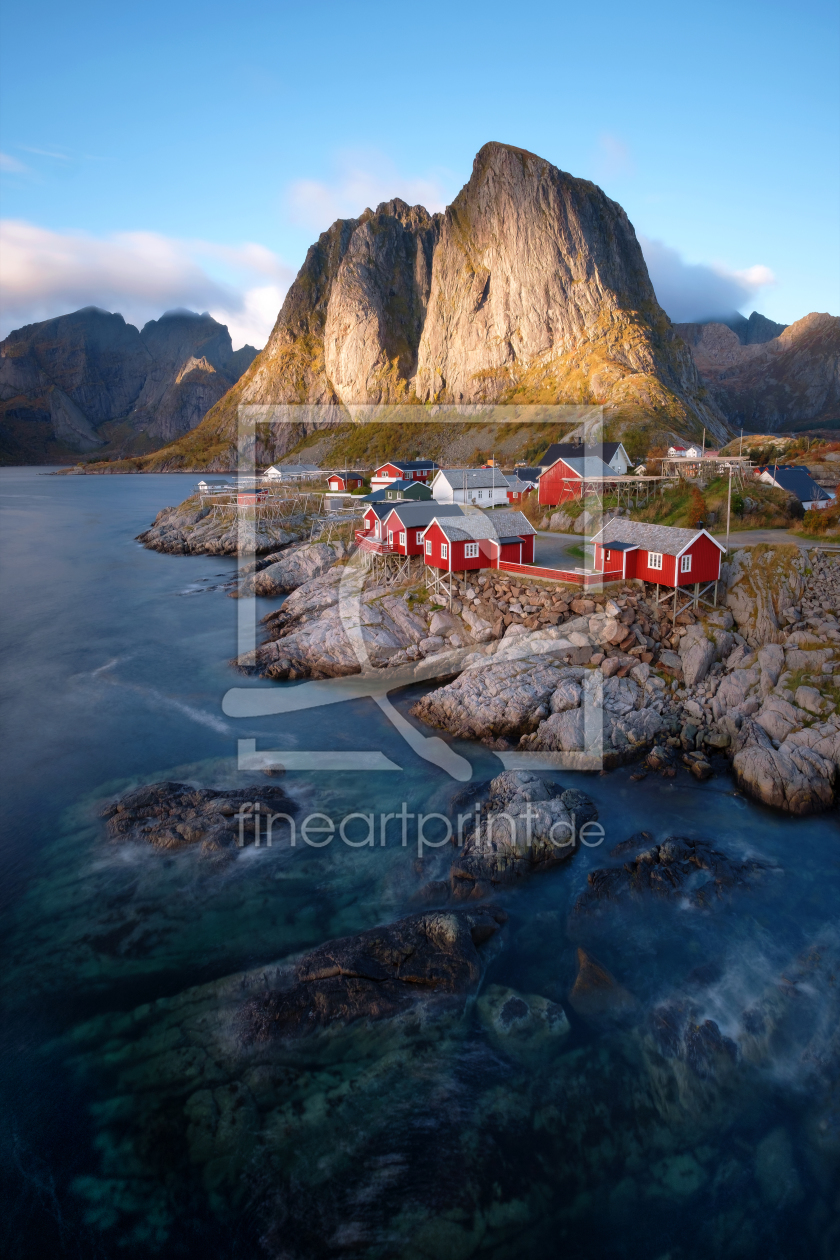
(408, 465)
(517, 486)
(414, 514)
(527, 474)
(668, 539)
(375, 496)
(495, 525)
(585, 466)
(380, 509)
(474, 478)
(560, 450)
(796, 480)
(346, 472)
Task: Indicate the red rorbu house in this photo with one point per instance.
(571, 477)
(478, 541)
(662, 554)
(398, 527)
(402, 470)
(346, 480)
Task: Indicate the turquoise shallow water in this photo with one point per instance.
(132, 1127)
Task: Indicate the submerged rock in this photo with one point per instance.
(671, 869)
(596, 994)
(177, 815)
(525, 1026)
(375, 975)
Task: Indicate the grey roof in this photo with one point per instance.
(796, 480)
(381, 509)
(515, 539)
(474, 478)
(413, 514)
(563, 450)
(527, 474)
(586, 466)
(493, 525)
(346, 472)
(517, 484)
(665, 538)
(376, 496)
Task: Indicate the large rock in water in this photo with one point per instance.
(64, 379)
(377, 974)
(530, 287)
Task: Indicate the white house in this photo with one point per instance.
(685, 452)
(486, 487)
(292, 472)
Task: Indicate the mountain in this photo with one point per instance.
(530, 288)
(753, 331)
(91, 382)
(789, 381)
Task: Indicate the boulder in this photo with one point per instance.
(671, 663)
(697, 654)
(525, 1026)
(793, 777)
(177, 816)
(297, 565)
(809, 699)
(560, 522)
(500, 700)
(375, 975)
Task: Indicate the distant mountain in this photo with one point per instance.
(530, 288)
(753, 331)
(90, 382)
(766, 384)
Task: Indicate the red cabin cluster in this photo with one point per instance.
(656, 553)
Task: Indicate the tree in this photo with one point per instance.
(697, 510)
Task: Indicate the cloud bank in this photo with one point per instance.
(140, 275)
(692, 292)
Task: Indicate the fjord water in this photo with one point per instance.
(128, 1131)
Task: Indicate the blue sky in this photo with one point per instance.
(172, 154)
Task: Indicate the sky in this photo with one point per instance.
(186, 155)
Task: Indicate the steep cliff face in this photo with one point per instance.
(790, 381)
(90, 381)
(531, 287)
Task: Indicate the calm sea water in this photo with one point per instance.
(132, 1127)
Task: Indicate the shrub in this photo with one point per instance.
(697, 510)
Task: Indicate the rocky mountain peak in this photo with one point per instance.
(530, 287)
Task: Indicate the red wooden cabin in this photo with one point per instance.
(657, 553)
(567, 478)
(404, 524)
(403, 470)
(345, 480)
(479, 541)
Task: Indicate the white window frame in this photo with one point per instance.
(444, 551)
(481, 494)
(402, 537)
(377, 529)
(470, 550)
(428, 546)
(685, 563)
(390, 538)
(419, 537)
(654, 560)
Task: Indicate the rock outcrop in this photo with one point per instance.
(376, 975)
(530, 287)
(766, 384)
(91, 382)
(176, 815)
(196, 529)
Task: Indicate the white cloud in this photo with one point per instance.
(696, 291)
(361, 180)
(11, 166)
(139, 274)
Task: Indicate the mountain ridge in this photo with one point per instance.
(88, 381)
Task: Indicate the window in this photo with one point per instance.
(390, 538)
(444, 551)
(470, 551)
(428, 546)
(654, 559)
(685, 564)
(607, 555)
(481, 494)
(378, 528)
(419, 537)
(402, 538)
